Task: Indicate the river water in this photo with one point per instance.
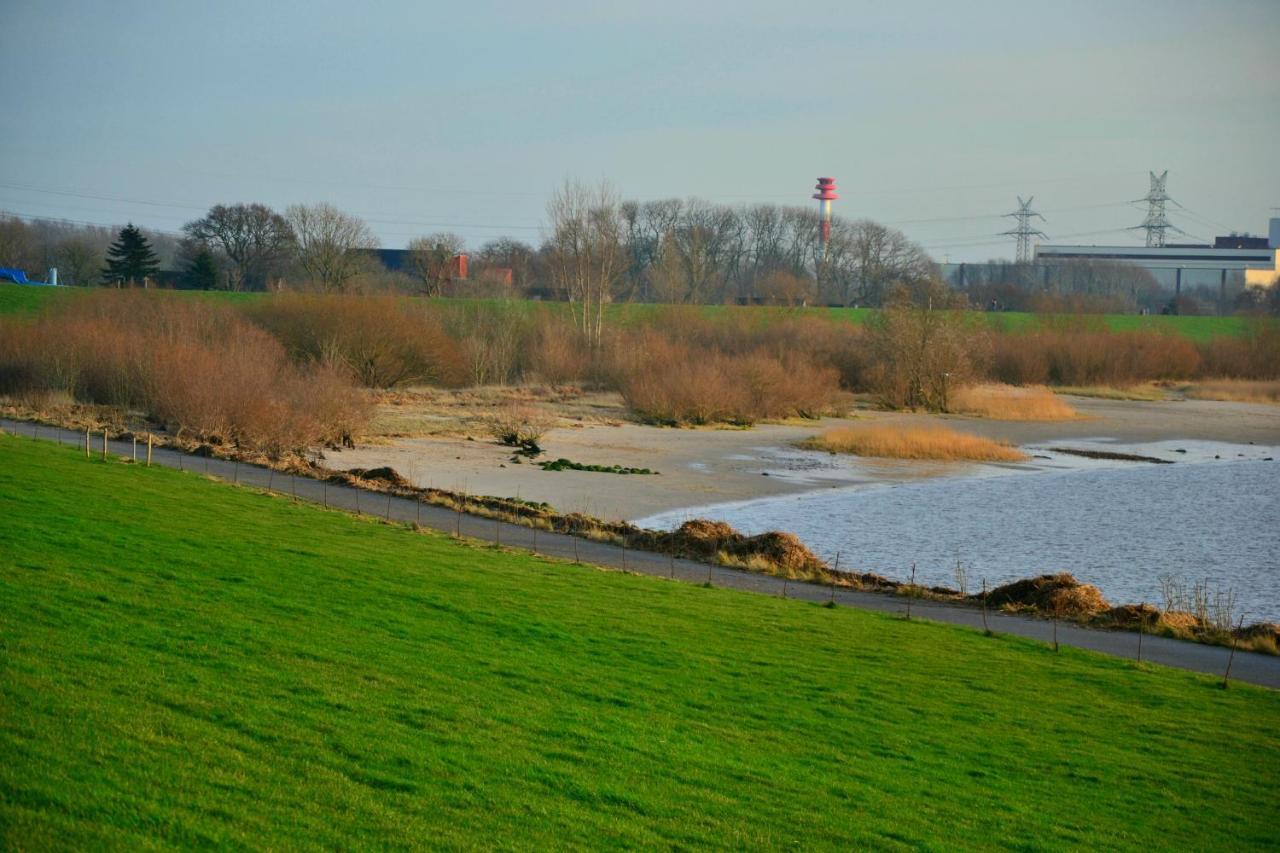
(1120, 525)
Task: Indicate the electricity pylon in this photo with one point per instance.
(1024, 230)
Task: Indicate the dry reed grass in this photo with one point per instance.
(1235, 390)
(1148, 392)
(934, 442)
(1009, 403)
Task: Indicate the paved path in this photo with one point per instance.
(1247, 666)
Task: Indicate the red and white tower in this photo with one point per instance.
(826, 193)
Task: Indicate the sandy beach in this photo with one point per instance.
(704, 466)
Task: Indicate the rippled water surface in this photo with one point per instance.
(1120, 527)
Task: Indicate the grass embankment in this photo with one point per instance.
(894, 442)
(197, 664)
(24, 299)
(20, 299)
(1010, 403)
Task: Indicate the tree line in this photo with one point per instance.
(598, 248)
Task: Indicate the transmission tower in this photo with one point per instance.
(1156, 222)
(1024, 230)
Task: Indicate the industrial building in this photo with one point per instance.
(1231, 260)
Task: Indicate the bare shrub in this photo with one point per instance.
(521, 426)
(673, 383)
(1253, 355)
(195, 367)
(924, 348)
(1207, 606)
(490, 337)
(557, 354)
(1015, 361)
(383, 341)
(962, 578)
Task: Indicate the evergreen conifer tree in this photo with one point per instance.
(130, 258)
(202, 271)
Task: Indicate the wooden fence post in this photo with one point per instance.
(912, 591)
(148, 450)
(1235, 638)
(86, 443)
(834, 572)
(1142, 609)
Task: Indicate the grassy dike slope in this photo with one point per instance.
(21, 300)
(192, 662)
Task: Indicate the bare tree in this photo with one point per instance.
(512, 254)
(17, 244)
(585, 251)
(79, 260)
(926, 346)
(253, 237)
(431, 260)
(695, 256)
(330, 243)
(867, 259)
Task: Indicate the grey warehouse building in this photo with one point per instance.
(1227, 261)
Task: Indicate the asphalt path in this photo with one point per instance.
(1251, 667)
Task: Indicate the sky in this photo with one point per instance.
(465, 117)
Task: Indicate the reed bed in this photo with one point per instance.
(890, 442)
(1235, 390)
(1010, 403)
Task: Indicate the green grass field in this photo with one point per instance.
(15, 299)
(189, 663)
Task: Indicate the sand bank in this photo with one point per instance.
(706, 466)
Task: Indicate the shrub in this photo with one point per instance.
(557, 354)
(197, 368)
(383, 341)
(521, 426)
(673, 383)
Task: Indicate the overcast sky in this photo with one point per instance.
(465, 116)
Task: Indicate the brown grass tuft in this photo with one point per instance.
(933, 442)
(1010, 403)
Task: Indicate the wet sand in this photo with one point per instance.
(704, 466)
